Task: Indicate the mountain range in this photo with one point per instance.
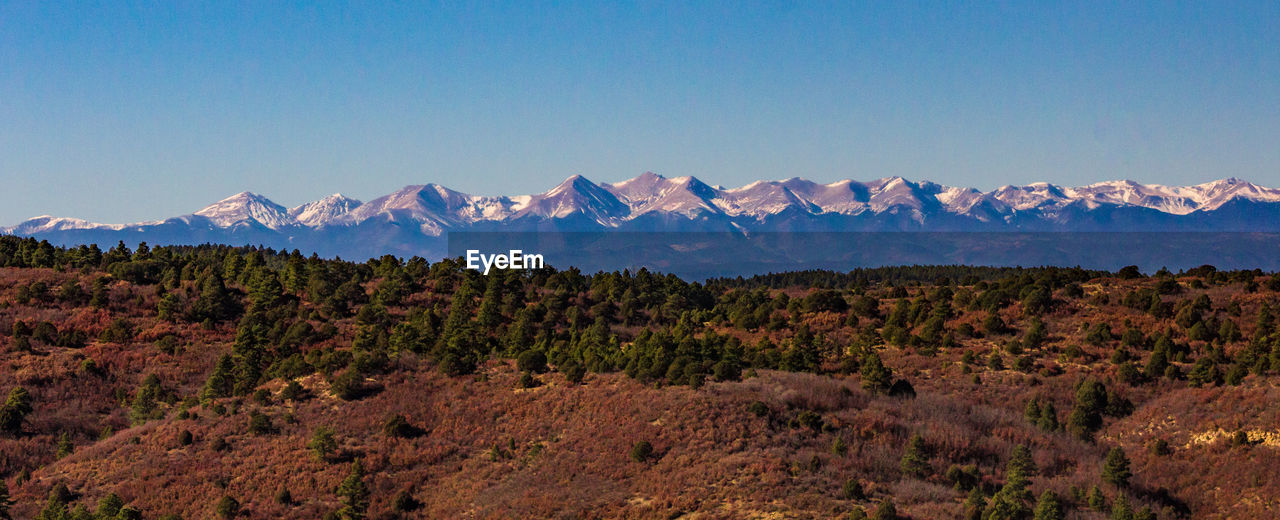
(415, 220)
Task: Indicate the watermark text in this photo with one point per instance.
(513, 259)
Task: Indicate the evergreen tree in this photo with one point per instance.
(15, 410)
(490, 314)
(915, 460)
(1115, 469)
(354, 494)
(1097, 501)
(1032, 411)
(1086, 416)
(215, 302)
(55, 508)
(1011, 502)
(322, 443)
(65, 447)
(1048, 417)
(143, 407)
(1021, 463)
(1049, 507)
(875, 376)
(1120, 509)
(975, 504)
(222, 381)
(109, 506)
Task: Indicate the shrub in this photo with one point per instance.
(885, 511)
(1159, 448)
(262, 397)
(397, 426)
(228, 507)
(292, 391)
(902, 388)
(574, 373)
(641, 451)
(727, 370)
(852, 490)
(348, 386)
(260, 424)
(532, 361)
(527, 380)
(404, 502)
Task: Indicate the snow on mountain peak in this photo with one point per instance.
(323, 211)
(244, 208)
(435, 209)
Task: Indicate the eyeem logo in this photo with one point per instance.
(514, 259)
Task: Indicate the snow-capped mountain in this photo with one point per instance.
(323, 210)
(244, 209)
(417, 219)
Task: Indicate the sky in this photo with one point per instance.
(122, 111)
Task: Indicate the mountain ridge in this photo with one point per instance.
(687, 195)
(416, 219)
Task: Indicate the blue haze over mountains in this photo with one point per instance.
(1234, 220)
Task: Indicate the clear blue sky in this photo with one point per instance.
(120, 112)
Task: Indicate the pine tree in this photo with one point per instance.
(975, 504)
(1120, 509)
(1021, 463)
(1010, 503)
(915, 460)
(15, 410)
(322, 443)
(109, 506)
(65, 447)
(1048, 417)
(143, 407)
(875, 376)
(1097, 500)
(490, 314)
(1049, 507)
(1086, 416)
(222, 381)
(1115, 469)
(838, 447)
(1032, 411)
(354, 494)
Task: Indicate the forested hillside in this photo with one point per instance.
(219, 382)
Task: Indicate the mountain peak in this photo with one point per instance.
(245, 208)
(323, 211)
